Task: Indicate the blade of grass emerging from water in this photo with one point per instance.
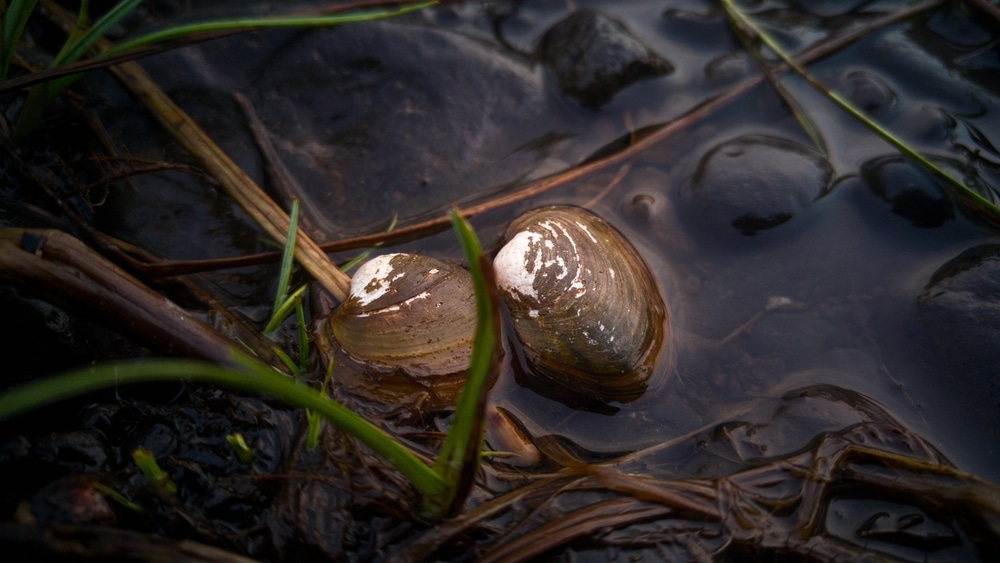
(363, 255)
(237, 24)
(303, 333)
(459, 458)
(285, 309)
(807, 124)
(313, 420)
(971, 198)
(287, 259)
(15, 17)
(252, 376)
(80, 40)
(78, 44)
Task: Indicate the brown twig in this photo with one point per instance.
(580, 523)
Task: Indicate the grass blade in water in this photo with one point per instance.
(459, 458)
(969, 197)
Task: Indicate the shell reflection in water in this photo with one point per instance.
(408, 328)
(584, 306)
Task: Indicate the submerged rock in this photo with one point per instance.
(869, 92)
(911, 191)
(754, 183)
(593, 57)
(960, 307)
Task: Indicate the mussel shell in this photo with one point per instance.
(584, 305)
(408, 326)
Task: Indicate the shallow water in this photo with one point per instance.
(402, 118)
(378, 121)
(731, 210)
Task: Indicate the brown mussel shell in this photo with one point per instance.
(407, 328)
(584, 305)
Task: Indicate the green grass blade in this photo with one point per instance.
(459, 458)
(303, 330)
(78, 42)
(78, 31)
(240, 447)
(312, 429)
(41, 95)
(250, 376)
(286, 308)
(363, 255)
(312, 419)
(971, 198)
(117, 497)
(157, 477)
(269, 22)
(287, 259)
(76, 47)
(286, 360)
(15, 17)
(746, 37)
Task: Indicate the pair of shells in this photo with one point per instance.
(584, 307)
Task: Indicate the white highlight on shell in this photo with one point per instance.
(388, 309)
(521, 260)
(421, 295)
(372, 281)
(391, 308)
(586, 230)
(511, 265)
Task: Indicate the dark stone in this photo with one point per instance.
(754, 183)
(911, 191)
(81, 451)
(960, 307)
(868, 91)
(594, 57)
(958, 323)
